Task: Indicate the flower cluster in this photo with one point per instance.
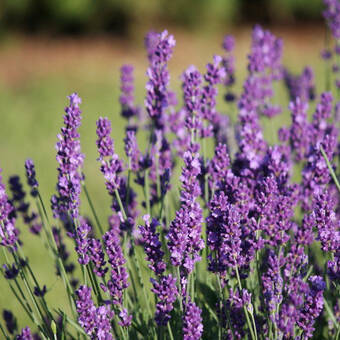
(8, 232)
(70, 160)
(241, 242)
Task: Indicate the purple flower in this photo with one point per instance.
(228, 62)
(229, 43)
(82, 241)
(305, 233)
(184, 237)
(25, 334)
(264, 67)
(162, 163)
(300, 130)
(70, 160)
(22, 207)
(166, 292)
(95, 321)
(10, 321)
(31, 177)
(157, 98)
(272, 284)
(234, 307)
(11, 271)
(97, 257)
(125, 318)
(224, 235)
(219, 166)
(104, 141)
(313, 306)
(275, 210)
(86, 309)
(119, 277)
(300, 86)
(322, 113)
(192, 322)
(131, 150)
(127, 92)
(327, 222)
(192, 80)
(214, 75)
(8, 232)
(332, 16)
(315, 174)
(112, 166)
(40, 292)
(152, 245)
(333, 267)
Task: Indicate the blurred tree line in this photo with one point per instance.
(122, 16)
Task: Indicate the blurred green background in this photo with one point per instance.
(49, 49)
(123, 17)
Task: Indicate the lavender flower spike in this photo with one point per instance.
(127, 91)
(118, 281)
(131, 150)
(104, 141)
(111, 166)
(166, 292)
(95, 321)
(152, 245)
(332, 15)
(70, 161)
(8, 232)
(31, 177)
(82, 241)
(192, 323)
(25, 334)
(157, 98)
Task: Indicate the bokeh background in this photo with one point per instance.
(49, 49)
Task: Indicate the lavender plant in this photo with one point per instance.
(233, 248)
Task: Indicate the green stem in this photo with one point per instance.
(128, 183)
(146, 191)
(26, 309)
(331, 315)
(120, 204)
(63, 273)
(253, 335)
(330, 168)
(170, 331)
(179, 288)
(220, 327)
(4, 332)
(101, 230)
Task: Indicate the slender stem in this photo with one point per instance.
(26, 309)
(330, 168)
(220, 327)
(43, 206)
(4, 332)
(170, 331)
(128, 183)
(179, 288)
(54, 246)
(146, 191)
(331, 315)
(253, 335)
(101, 230)
(137, 268)
(120, 204)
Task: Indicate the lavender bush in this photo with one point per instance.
(233, 248)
